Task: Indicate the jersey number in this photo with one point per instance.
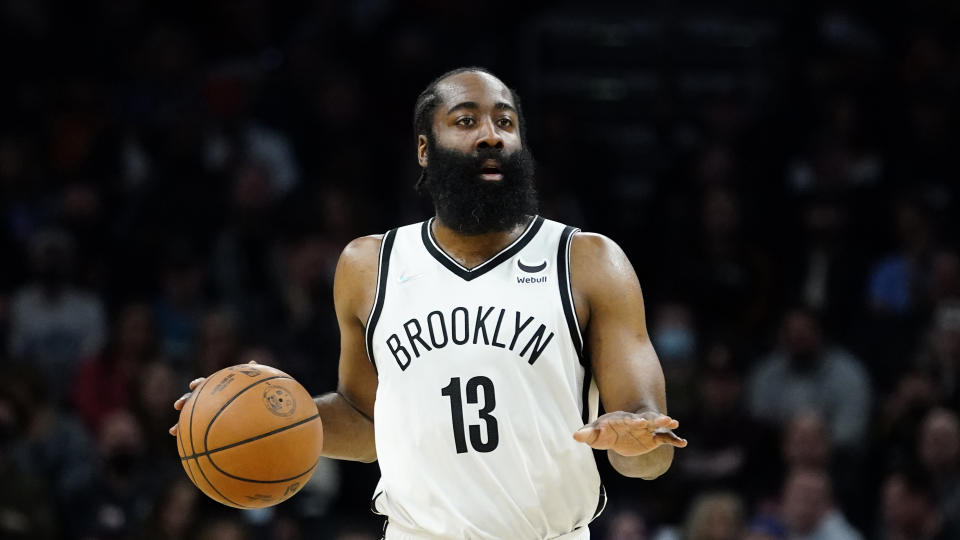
(452, 391)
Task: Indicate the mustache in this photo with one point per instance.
(484, 154)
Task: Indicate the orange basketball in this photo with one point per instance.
(249, 436)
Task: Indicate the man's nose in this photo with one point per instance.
(488, 136)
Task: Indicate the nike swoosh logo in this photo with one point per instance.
(404, 279)
(531, 269)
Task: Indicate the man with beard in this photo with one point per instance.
(476, 345)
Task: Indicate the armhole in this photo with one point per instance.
(383, 270)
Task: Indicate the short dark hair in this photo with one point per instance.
(428, 100)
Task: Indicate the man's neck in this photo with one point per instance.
(475, 249)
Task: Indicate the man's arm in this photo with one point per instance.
(347, 414)
(637, 434)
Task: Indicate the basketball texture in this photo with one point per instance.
(249, 436)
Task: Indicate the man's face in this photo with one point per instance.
(476, 111)
(478, 173)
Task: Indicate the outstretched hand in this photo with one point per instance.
(179, 403)
(630, 434)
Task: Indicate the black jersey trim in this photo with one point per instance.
(585, 396)
(383, 271)
(566, 293)
(373, 505)
(468, 274)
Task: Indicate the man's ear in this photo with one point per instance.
(422, 150)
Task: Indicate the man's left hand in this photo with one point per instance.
(630, 434)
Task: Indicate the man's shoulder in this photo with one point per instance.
(594, 250)
(361, 252)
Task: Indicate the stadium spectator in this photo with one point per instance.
(54, 448)
(104, 381)
(26, 507)
(806, 373)
(715, 516)
(938, 448)
(909, 510)
(54, 325)
(808, 511)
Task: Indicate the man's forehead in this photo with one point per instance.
(473, 86)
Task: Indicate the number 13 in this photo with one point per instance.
(452, 391)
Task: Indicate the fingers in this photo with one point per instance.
(630, 434)
(666, 422)
(182, 400)
(179, 403)
(662, 427)
(586, 434)
(670, 438)
(601, 437)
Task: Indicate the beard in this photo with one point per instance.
(470, 205)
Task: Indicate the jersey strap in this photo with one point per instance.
(383, 268)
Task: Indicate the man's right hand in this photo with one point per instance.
(178, 404)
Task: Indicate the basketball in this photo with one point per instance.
(249, 436)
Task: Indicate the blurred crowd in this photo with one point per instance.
(177, 180)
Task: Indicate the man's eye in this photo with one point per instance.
(465, 121)
(505, 122)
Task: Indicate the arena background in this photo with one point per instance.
(178, 179)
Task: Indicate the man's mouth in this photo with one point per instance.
(490, 170)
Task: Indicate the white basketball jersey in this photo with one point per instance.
(482, 382)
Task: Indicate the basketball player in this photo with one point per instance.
(476, 345)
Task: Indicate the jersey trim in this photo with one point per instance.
(383, 270)
(601, 504)
(566, 291)
(373, 505)
(570, 313)
(468, 274)
(585, 395)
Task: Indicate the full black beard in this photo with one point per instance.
(470, 205)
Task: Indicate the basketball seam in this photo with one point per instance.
(251, 439)
(236, 504)
(184, 449)
(193, 448)
(254, 481)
